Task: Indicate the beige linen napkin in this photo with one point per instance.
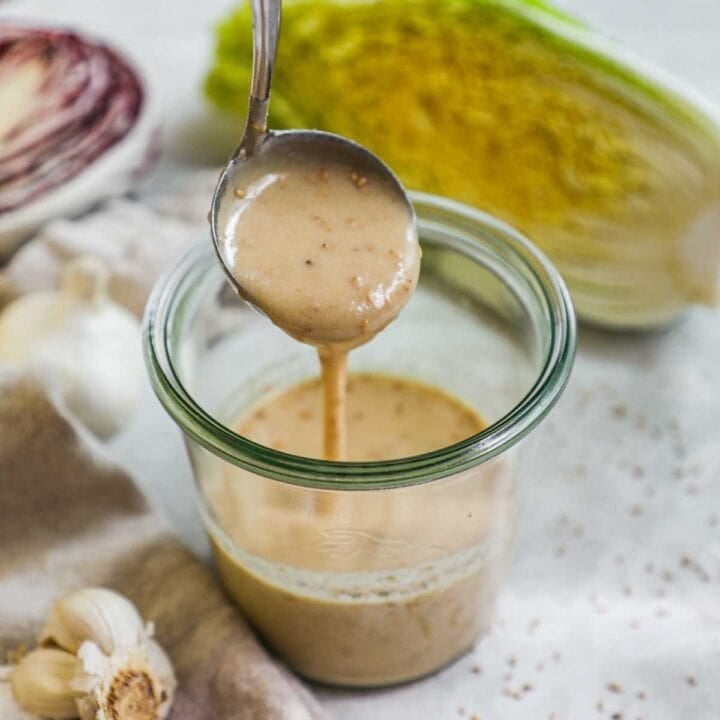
(69, 518)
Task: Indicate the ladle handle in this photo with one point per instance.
(266, 28)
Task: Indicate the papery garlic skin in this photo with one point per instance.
(43, 683)
(80, 344)
(134, 685)
(101, 616)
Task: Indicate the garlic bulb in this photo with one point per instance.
(98, 661)
(81, 345)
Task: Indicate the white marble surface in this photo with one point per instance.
(617, 568)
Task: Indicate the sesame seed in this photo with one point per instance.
(619, 410)
(240, 194)
(613, 687)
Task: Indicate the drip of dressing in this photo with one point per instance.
(330, 255)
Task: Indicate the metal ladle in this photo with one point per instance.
(257, 140)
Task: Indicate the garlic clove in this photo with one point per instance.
(42, 683)
(99, 615)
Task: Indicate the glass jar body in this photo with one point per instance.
(369, 574)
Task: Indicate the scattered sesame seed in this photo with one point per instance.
(619, 410)
(614, 687)
(240, 194)
(533, 625)
(308, 262)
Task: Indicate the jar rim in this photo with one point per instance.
(203, 428)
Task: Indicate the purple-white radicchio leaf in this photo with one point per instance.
(66, 101)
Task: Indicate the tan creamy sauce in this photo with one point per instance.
(330, 255)
(387, 418)
(338, 612)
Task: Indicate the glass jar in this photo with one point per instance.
(370, 573)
